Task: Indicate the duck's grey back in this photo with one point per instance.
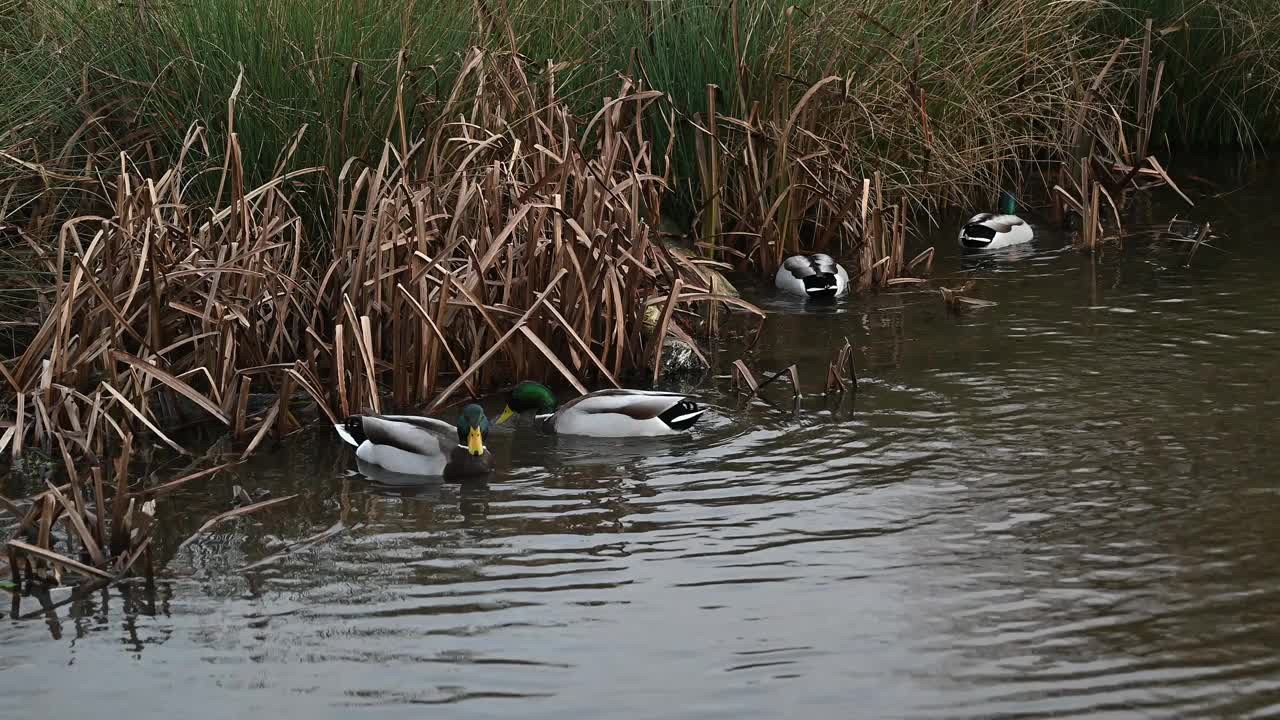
(803, 266)
(414, 434)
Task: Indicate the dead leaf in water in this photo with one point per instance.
(957, 302)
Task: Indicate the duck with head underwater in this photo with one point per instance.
(417, 445)
(987, 231)
(816, 276)
(605, 413)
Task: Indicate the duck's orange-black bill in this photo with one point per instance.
(506, 414)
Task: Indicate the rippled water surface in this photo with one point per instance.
(1065, 504)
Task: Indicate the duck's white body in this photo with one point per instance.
(405, 444)
(812, 276)
(624, 413)
(986, 231)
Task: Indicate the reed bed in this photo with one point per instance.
(509, 240)
(381, 205)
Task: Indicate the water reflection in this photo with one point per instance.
(78, 613)
(1006, 259)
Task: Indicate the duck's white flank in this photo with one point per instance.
(400, 461)
(623, 413)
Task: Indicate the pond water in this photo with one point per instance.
(1063, 504)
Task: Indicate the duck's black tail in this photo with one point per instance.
(977, 235)
(821, 284)
(682, 415)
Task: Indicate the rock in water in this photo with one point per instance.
(679, 357)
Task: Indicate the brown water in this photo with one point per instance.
(1065, 504)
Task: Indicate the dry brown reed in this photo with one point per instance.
(520, 233)
(743, 380)
(779, 184)
(842, 362)
(108, 520)
(1110, 160)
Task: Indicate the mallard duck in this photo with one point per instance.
(986, 231)
(814, 276)
(604, 413)
(416, 445)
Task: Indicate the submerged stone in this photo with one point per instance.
(679, 357)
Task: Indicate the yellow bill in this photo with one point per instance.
(475, 442)
(506, 413)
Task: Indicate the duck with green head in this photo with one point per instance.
(416, 445)
(987, 231)
(604, 413)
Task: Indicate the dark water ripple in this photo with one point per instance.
(1060, 506)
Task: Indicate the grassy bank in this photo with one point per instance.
(992, 77)
(394, 204)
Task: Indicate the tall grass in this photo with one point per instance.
(944, 99)
(1222, 67)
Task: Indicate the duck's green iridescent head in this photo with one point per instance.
(473, 428)
(527, 396)
(1008, 204)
